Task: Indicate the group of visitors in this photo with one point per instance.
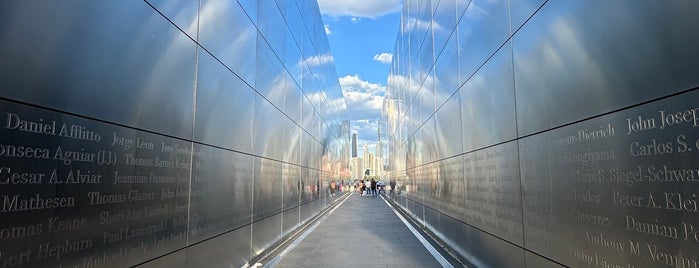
(367, 188)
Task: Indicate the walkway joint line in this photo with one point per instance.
(438, 256)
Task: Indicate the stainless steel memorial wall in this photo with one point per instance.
(163, 133)
(537, 133)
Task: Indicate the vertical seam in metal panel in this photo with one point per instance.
(252, 206)
(281, 188)
(194, 113)
(254, 128)
(300, 189)
(514, 92)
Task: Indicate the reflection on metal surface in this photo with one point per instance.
(572, 38)
(158, 133)
(91, 61)
(219, 95)
(541, 174)
(221, 192)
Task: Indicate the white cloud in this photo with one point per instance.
(327, 30)
(362, 9)
(384, 58)
(320, 60)
(356, 84)
(364, 99)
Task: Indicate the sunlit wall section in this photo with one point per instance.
(537, 133)
(163, 133)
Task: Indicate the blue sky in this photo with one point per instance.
(362, 35)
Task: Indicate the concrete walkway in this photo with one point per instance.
(362, 232)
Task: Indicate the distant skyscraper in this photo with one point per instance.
(367, 157)
(379, 148)
(354, 144)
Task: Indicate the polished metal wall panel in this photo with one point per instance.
(445, 75)
(444, 23)
(250, 7)
(267, 195)
(306, 187)
(293, 60)
(617, 188)
(424, 14)
(266, 232)
(295, 24)
(461, 6)
(450, 230)
(486, 250)
(533, 260)
(493, 191)
(222, 184)
(290, 220)
(430, 187)
(272, 86)
(221, 94)
(428, 131)
(452, 188)
(477, 248)
(448, 132)
(416, 210)
(306, 212)
(292, 99)
(268, 122)
(292, 142)
(271, 25)
(316, 184)
(177, 259)
(143, 81)
(522, 10)
(282, 5)
(307, 113)
(427, 98)
(488, 104)
(433, 219)
(426, 56)
(306, 142)
(231, 249)
(308, 51)
(570, 64)
(224, 16)
(482, 29)
(78, 191)
(291, 180)
(183, 13)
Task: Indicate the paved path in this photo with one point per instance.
(362, 232)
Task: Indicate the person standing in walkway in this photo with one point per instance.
(373, 187)
(333, 186)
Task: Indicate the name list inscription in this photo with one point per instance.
(616, 191)
(122, 196)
